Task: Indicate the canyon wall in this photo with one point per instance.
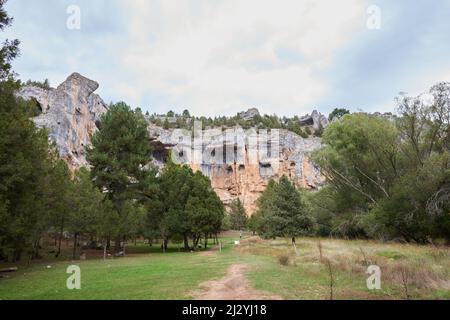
(239, 164)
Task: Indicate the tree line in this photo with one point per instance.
(121, 197)
(388, 178)
(267, 122)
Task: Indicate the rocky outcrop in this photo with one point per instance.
(71, 114)
(250, 114)
(240, 164)
(316, 120)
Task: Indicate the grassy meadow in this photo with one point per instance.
(323, 269)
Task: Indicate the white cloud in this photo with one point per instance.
(221, 56)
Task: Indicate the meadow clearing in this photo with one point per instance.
(255, 269)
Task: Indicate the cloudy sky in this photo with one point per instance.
(222, 56)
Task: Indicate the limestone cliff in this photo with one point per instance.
(239, 164)
(246, 170)
(71, 113)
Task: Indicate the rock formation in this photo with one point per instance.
(239, 164)
(250, 114)
(71, 114)
(316, 120)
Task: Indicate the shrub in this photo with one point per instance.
(283, 259)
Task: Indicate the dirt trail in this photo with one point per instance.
(212, 251)
(234, 286)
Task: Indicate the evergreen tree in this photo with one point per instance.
(166, 124)
(338, 113)
(176, 185)
(10, 48)
(186, 114)
(238, 216)
(282, 212)
(24, 164)
(119, 156)
(187, 208)
(204, 209)
(86, 203)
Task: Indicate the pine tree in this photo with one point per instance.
(282, 212)
(290, 211)
(238, 216)
(119, 156)
(24, 165)
(204, 209)
(86, 202)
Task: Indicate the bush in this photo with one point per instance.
(283, 259)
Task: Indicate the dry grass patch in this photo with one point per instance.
(283, 259)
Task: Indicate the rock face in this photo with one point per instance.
(239, 164)
(315, 120)
(250, 114)
(71, 113)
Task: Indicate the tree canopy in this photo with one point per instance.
(120, 157)
(238, 215)
(388, 178)
(282, 212)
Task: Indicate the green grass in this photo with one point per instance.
(390, 255)
(147, 273)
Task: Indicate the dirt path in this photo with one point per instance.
(234, 286)
(212, 251)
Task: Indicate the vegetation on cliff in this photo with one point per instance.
(185, 121)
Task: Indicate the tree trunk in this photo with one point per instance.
(164, 245)
(36, 249)
(75, 238)
(196, 239)
(61, 232)
(206, 240)
(58, 252)
(193, 242)
(186, 242)
(104, 249)
(117, 246)
(295, 246)
(16, 255)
